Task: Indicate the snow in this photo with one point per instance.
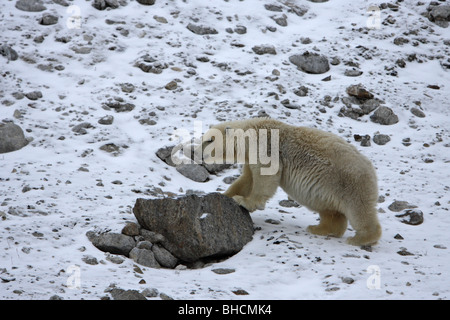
(43, 236)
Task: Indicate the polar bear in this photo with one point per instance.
(315, 168)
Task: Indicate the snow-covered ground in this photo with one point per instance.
(62, 185)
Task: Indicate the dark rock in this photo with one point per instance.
(81, 128)
(240, 29)
(48, 19)
(359, 92)
(120, 294)
(144, 257)
(417, 112)
(106, 120)
(151, 65)
(273, 7)
(280, 20)
(414, 217)
(34, 95)
(164, 257)
(223, 270)
(120, 106)
(440, 15)
(172, 85)
(201, 30)
(103, 4)
(310, 62)
(131, 229)
(165, 154)
(398, 206)
(264, 49)
(115, 243)
(384, 116)
(381, 139)
(11, 137)
(30, 5)
(193, 171)
(197, 227)
(146, 2)
(8, 52)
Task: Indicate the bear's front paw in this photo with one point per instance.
(248, 203)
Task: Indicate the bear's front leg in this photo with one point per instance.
(243, 185)
(263, 188)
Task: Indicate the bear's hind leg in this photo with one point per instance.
(332, 223)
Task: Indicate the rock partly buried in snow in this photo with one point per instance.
(385, 116)
(103, 4)
(413, 217)
(197, 227)
(146, 2)
(8, 52)
(201, 30)
(11, 137)
(30, 5)
(310, 62)
(264, 49)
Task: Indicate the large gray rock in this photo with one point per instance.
(197, 227)
(310, 62)
(11, 137)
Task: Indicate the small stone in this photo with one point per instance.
(164, 257)
(131, 229)
(359, 92)
(12, 137)
(272, 221)
(146, 2)
(223, 270)
(172, 85)
(115, 243)
(34, 95)
(48, 19)
(398, 206)
(9, 53)
(264, 49)
(417, 112)
(414, 217)
(310, 62)
(120, 294)
(201, 30)
(194, 172)
(90, 260)
(352, 72)
(404, 252)
(240, 292)
(150, 292)
(384, 116)
(348, 280)
(30, 5)
(381, 139)
(106, 120)
(144, 257)
(81, 128)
